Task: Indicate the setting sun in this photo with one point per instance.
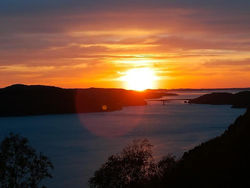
(139, 79)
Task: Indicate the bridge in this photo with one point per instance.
(164, 101)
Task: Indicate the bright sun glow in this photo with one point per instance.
(139, 79)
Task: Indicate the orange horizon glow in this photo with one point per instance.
(175, 47)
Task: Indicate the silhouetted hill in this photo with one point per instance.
(208, 89)
(17, 100)
(241, 99)
(221, 162)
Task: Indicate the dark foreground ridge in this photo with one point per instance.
(221, 162)
(20, 100)
(238, 100)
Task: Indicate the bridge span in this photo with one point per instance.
(164, 101)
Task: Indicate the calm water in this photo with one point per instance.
(79, 144)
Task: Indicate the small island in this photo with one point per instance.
(238, 100)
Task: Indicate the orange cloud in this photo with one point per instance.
(187, 46)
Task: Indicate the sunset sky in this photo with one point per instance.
(96, 43)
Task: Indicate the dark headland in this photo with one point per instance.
(237, 100)
(21, 100)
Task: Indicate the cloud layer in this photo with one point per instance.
(90, 43)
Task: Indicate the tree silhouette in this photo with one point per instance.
(132, 167)
(20, 165)
(165, 166)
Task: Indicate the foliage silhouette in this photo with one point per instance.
(166, 166)
(20, 165)
(133, 167)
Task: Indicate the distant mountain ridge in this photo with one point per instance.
(21, 100)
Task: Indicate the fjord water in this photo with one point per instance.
(79, 144)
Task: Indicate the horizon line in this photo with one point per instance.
(219, 88)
